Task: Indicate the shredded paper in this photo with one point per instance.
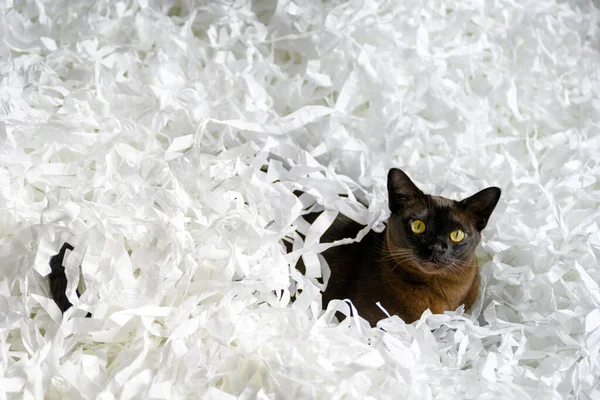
(168, 142)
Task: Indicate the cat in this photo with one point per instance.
(424, 258)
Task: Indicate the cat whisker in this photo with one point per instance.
(459, 269)
(396, 264)
(461, 264)
(399, 252)
(401, 260)
(395, 256)
(398, 257)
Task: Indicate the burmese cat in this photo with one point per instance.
(424, 259)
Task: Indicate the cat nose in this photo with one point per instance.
(438, 247)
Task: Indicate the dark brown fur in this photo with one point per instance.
(398, 270)
(58, 279)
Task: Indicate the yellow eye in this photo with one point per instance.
(457, 235)
(417, 226)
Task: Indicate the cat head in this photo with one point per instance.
(433, 234)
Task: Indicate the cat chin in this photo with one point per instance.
(431, 268)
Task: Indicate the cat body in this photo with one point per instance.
(415, 264)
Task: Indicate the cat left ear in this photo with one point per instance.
(400, 189)
(481, 205)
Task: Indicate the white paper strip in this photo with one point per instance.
(165, 142)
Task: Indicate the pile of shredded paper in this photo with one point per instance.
(165, 139)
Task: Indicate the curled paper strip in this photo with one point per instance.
(168, 143)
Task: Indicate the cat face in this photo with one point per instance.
(433, 234)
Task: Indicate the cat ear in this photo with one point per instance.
(400, 189)
(481, 205)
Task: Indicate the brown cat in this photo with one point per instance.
(424, 259)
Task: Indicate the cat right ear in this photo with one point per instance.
(400, 189)
(481, 205)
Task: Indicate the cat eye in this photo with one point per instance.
(417, 226)
(457, 235)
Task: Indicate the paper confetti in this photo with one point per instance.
(165, 141)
